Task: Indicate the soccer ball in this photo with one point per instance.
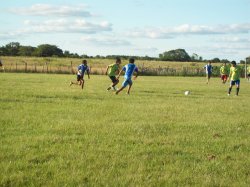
(187, 92)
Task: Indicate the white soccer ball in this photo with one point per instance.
(187, 92)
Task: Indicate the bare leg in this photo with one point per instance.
(115, 83)
(77, 83)
(82, 83)
(129, 87)
(230, 89)
(208, 78)
(119, 90)
(237, 89)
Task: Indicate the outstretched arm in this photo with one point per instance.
(136, 73)
(107, 70)
(119, 74)
(88, 74)
(229, 76)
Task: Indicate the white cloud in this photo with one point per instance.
(231, 51)
(107, 41)
(10, 35)
(187, 29)
(233, 39)
(146, 49)
(58, 26)
(52, 10)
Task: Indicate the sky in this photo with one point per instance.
(209, 28)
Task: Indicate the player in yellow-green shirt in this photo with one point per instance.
(111, 71)
(224, 71)
(234, 77)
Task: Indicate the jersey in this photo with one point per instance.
(208, 68)
(112, 69)
(224, 70)
(235, 73)
(129, 70)
(81, 69)
(248, 69)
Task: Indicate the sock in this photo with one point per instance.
(229, 90)
(237, 91)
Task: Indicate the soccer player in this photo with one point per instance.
(208, 68)
(129, 70)
(80, 73)
(111, 71)
(235, 78)
(224, 73)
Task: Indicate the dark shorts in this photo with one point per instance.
(79, 77)
(209, 75)
(237, 82)
(248, 75)
(113, 78)
(223, 77)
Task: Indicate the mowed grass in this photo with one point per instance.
(55, 135)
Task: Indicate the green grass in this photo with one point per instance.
(55, 135)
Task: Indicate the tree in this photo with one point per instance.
(46, 50)
(3, 51)
(242, 62)
(26, 50)
(248, 60)
(214, 60)
(225, 61)
(12, 49)
(175, 55)
(66, 53)
(196, 58)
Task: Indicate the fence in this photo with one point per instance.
(71, 69)
(36, 68)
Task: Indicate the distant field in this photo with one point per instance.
(55, 135)
(93, 62)
(98, 66)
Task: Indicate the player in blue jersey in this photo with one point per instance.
(129, 70)
(208, 68)
(81, 69)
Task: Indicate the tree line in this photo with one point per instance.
(47, 50)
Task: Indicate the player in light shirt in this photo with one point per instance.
(208, 68)
(129, 70)
(81, 69)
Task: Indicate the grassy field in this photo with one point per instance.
(55, 135)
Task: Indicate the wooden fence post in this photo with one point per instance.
(47, 66)
(25, 66)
